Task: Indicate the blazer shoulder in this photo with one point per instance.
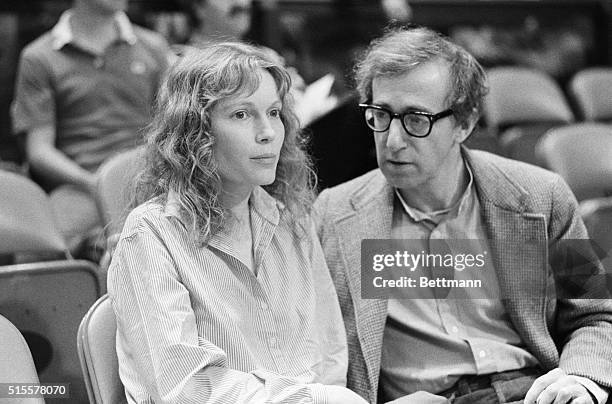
(340, 197)
(511, 183)
(527, 176)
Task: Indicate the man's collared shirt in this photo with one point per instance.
(62, 33)
(448, 338)
(196, 324)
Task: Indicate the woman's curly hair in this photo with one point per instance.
(179, 143)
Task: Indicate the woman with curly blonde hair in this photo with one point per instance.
(218, 282)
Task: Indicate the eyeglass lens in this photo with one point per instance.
(380, 120)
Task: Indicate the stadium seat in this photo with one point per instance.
(597, 216)
(98, 355)
(522, 104)
(581, 154)
(115, 179)
(590, 90)
(28, 231)
(46, 301)
(16, 365)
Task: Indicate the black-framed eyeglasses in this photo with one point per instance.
(415, 123)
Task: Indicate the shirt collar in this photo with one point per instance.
(260, 201)
(418, 215)
(62, 33)
(173, 209)
(266, 205)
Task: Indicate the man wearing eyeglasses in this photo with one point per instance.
(422, 96)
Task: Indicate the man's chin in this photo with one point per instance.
(401, 177)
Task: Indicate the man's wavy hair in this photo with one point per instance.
(179, 143)
(401, 50)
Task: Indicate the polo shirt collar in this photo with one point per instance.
(62, 33)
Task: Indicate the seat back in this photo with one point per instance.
(98, 355)
(115, 180)
(581, 154)
(521, 95)
(16, 365)
(519, 142)
(597, 216)
(590, 89)
(46, 302)
(27, 224)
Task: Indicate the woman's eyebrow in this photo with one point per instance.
(238, 103)
(276, 102)
(251, 104)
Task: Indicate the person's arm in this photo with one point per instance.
(34, 115)
(331, 329)
(557, 386)
(583, 326)
(156, 329)
(50, 163)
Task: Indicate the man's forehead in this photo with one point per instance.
(430, 78)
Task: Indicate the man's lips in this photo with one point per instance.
(398, 162)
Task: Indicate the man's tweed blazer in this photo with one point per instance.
(517, 200)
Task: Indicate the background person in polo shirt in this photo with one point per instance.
(84, 91)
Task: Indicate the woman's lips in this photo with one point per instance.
(267, 158)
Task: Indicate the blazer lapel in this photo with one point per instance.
(370, 220)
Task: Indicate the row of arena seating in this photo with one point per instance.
(45, 293)
(524, 103)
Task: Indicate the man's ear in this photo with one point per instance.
(466, 128)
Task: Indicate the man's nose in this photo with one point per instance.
(396, 137)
